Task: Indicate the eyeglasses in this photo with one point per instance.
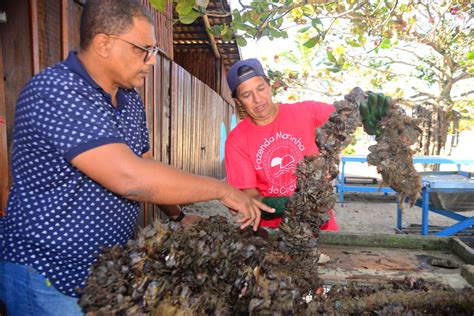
(150, 51)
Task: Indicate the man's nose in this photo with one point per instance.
(256, 97)
(151, 61)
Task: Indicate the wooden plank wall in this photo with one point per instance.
(197, 113)
(16, 59)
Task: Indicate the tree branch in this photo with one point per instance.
(465, 94)
(216, 14)
(423, 94)
(462, 76)
(433, 34)
(432, 64)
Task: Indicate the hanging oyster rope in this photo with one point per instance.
(392, 156)
(314, 197)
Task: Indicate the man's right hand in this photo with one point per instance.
(247, 207)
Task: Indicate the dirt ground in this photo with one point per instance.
(361, 212)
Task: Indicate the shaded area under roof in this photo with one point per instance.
(195, 35)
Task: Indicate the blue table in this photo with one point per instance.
(342, 187)
(445, 182)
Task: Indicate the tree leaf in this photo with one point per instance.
(241, 41)
(385, 43)
(304, 29)
(317, 24)
(236, 17)
(276, 33)
(216, 30)
(159, 5)
(307, 10)
(331, 57)
(184, 7)
(352, 42)
(189, 18)
(311, 42)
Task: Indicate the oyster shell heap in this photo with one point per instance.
(214, 268)
(210, 268)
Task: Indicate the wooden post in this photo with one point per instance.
(64, 28)
(34, 36)
(4, 183)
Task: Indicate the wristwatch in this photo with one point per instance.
(178, 218)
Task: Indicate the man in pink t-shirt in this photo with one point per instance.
(262, 151)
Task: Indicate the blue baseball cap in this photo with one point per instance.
(233, 77)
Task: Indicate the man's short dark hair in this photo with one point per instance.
(109, 17)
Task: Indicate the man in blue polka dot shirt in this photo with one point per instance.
(79, 165)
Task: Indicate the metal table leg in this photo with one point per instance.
(424, 211)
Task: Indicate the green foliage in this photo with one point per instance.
(349, 150)
(425, 73)
(425, 44)
(188, 10)
(466, 109)
(159, 5)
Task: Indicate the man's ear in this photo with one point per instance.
(101, 44)
(237, 102)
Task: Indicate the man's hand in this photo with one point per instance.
(372, 111)
(276, 202)
(247, 207)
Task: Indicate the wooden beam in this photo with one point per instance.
(64, 28)
(4, 177)
(205, 18)
(34, 36)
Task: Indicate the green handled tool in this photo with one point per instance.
(276, 202)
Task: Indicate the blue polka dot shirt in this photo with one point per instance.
(58, 218)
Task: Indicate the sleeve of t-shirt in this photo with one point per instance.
(239, 170)
(72, 124)
(320, 111)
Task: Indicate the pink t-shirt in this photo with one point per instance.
(265, 157)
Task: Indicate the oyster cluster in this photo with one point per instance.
(214, 268)
(210, 268)
(314, 197)
(392, 154)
